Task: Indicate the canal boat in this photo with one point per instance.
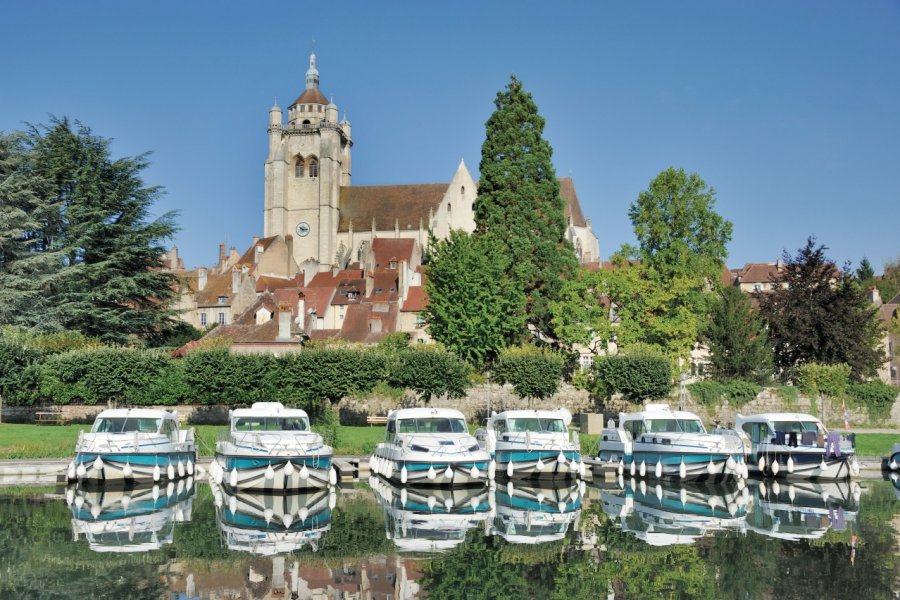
(431, 446)
(894, 460)
(530, 514)
(671, 444)
(796, 446)
(267, 524)
(272, 448)
(131, 445)
(139, 519)
(803, 510)
(533, 444)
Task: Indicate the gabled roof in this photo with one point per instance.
(326, 279)
(248, 317)
(359, 317)
(317, 299)
(573, 206)
(268, 283)
(217, 284)
(386, 281)
(416, 299)
(345, 288)
(886, 312)
(386, 204)
(247, 258)
(253, 334)
(758, 273)
(386, 249)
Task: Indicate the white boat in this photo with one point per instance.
(272, 448)
(129, 520)
(664, 443)
(430, 446)
(428, 519)
(795, 446)
(527, 514)
(894, 460)
(799, 510)
(127, 445)
(268, 524)
(533, 444)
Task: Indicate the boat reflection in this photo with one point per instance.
(129, 520)
(802, 509)
(534, 514)
(665, 514)
(430, 520)
(267, 524)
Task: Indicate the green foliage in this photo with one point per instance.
(329, 373)
(636, 377)
(519, 203)
(533, 372)
(788, 393)
(737, 338)
(877, 396)
(828, 380)
(430, 372)
(865, 272)
(474, 308)
(710, 393)
(15, 360)
(820, 316)
(889, 284)
(580, 315)
(393, 343)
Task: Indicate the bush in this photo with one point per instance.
(876, 396)
(829, 380)
(637, 377)
(533, 372)
(329, 373)
(430, 372)
(737, 391)
(788, 393)
(17, 381)
(707, 393)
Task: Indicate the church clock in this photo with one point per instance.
(303, 229)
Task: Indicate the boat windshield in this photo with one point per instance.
(126, 425)
(797, 426)
(684, 425)
(536, 425)
(270, 424)
(431, 425)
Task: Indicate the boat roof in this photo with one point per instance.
(559, 413)
(268, 409)
(421, 413)
(142, 413)
(781, 416)
(657, 411)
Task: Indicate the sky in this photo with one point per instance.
(789, 110)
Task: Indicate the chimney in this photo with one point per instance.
(173, 258)
(289, 242)
(301, 309)
(403, 282)
(222, 256)
(874, 296)
(284, 322)
(201, 279)
(235, 281)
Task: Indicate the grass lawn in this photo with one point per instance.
(58, 441)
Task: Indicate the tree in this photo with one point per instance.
(580, 316)
(533, 372)
(519, 202)
(637, 377)
(474, 308)
(816, 313)
(736, 338)
(865, 272)
(889, 284)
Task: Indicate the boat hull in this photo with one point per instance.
(698, 466)
(422, 469)
(114, 467)
(274, 473)
(525, 464)
(806, 465)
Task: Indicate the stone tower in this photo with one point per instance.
(308, 162)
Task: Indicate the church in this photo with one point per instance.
(335, 260)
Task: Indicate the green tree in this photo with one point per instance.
(737, 338)
(865, 272)
(819, 314)
(97, 209)
(519, 202)
(533, 372)
(637, 377)
(474, 309)
(580, 316)
(889, 284)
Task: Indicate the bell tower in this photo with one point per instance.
(308, 162)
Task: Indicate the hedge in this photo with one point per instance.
(878, 398)
(737, 391)
(533, 372)
(636, 377)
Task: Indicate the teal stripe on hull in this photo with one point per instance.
(149, 460)
(413, 467)
(533, 505)
(651, 458)
(504, 456)
(242, 463)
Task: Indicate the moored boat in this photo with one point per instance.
(130, 445)
(527, 514)
(533, 444)
(796, 446)
(270, 448)
(430, 446)
(665, 443)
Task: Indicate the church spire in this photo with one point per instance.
(312, 75)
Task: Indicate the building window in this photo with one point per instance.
(203, 319)
(302, 108)
(310, 108)
(306, 122)
(298, 167)
(222, 299)
(462, 191)
(420, 319)
(757, 287)
(221, 318)
(449, 207)
(313, 167)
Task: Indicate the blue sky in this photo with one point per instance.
(790, 110)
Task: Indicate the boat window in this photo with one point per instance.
(126, 425)
(635, 428)
(796, 426)
(432, 425)
(271, 424)
(758, 432)
(537, 425)
(500, 426)
(685, 425)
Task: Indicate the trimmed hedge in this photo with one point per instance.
(877, 396)
(533, 372)
(637, 377)
(737, 391)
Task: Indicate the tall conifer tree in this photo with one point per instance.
(519, 202)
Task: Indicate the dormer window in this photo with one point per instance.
(298, 167)
(222, 299)
(313, 167)
(392, 264)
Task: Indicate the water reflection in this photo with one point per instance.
(803, 509)
(427, 520)
(665, 514)
(534, 514)
(267, 524)
(129, 520)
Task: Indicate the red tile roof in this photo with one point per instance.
(217, 284)
(387, 204)
(758, 273)
(268, 283)
(347, 287)
(387, 249)
(416, 299)
(573, 206)
(311, 96)
(247, 257)
(386, 281)
(326, 279)
(317, 299)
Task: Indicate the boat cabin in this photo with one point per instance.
(269, 417)
(659, 418)
(132, 420)
(763, 427)
(428, 421)
(533, 421)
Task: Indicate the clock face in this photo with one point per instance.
(303, 229)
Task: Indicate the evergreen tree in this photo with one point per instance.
(737, 338)
(473, 307)
(819, 314)
(519, 202)
(95, 215)
(865, 272)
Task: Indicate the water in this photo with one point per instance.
(620, 540)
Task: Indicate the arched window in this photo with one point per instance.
(449, 207)
(462, 191)
(313, 167)
(306, 121)
(298, 167)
